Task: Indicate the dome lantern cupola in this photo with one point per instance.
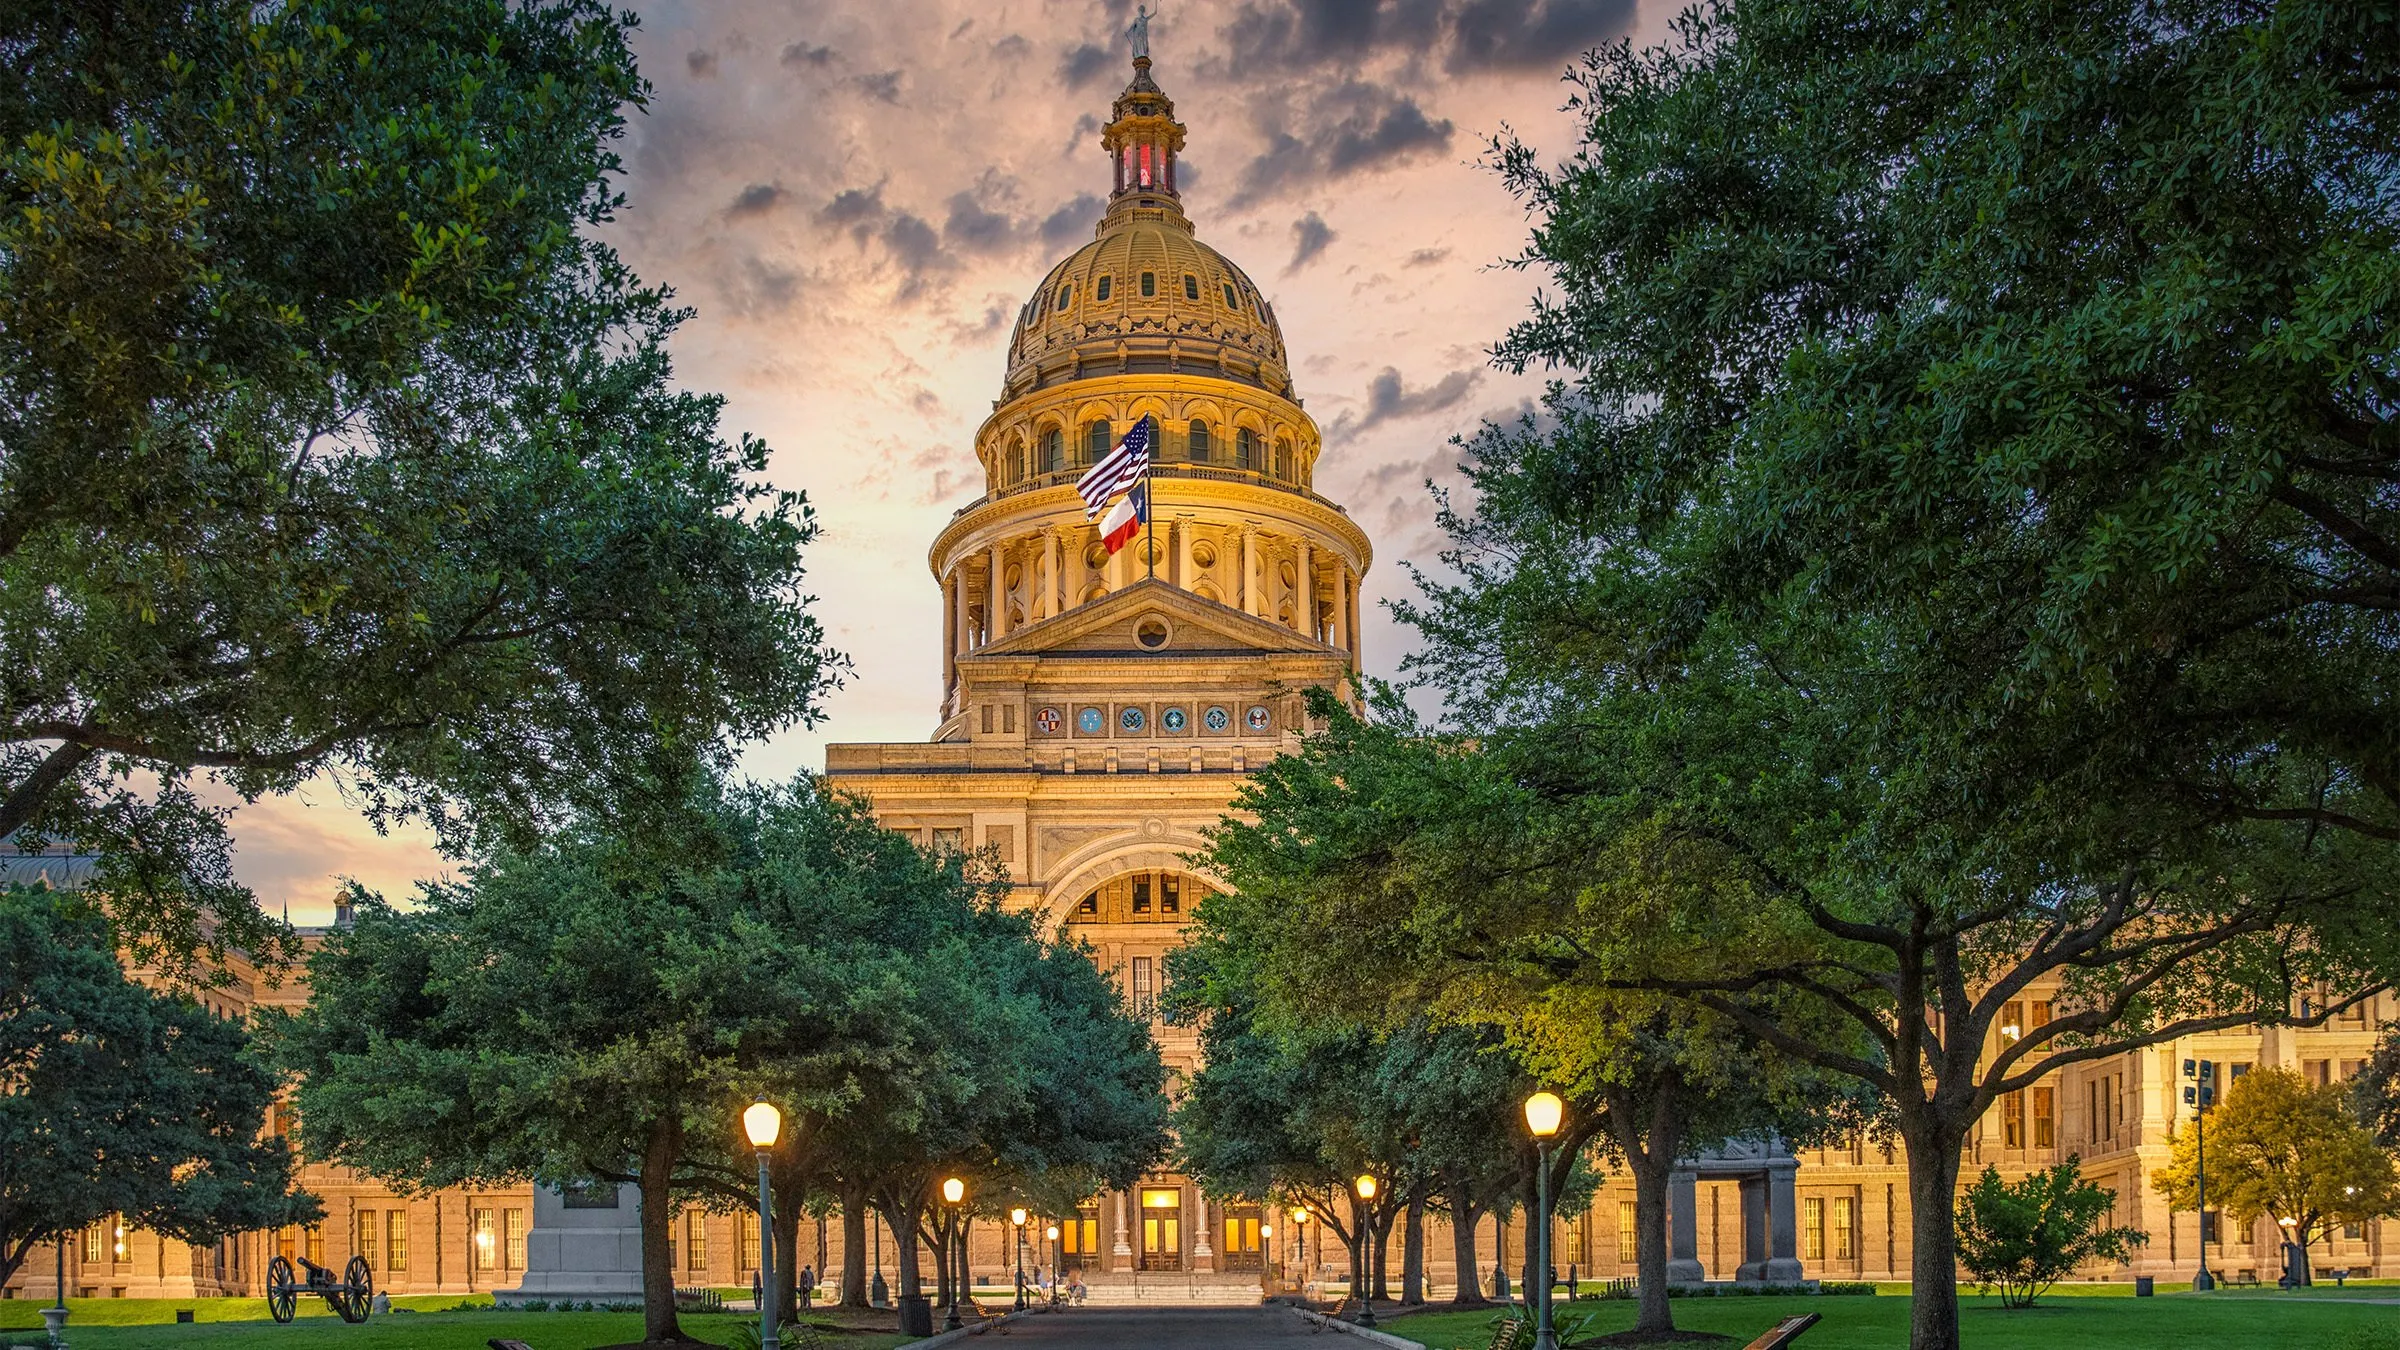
(1142, 137)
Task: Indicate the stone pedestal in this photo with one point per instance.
(1683, 1229)
(1754, 1231)
(1783, 1224)
(590, 1248)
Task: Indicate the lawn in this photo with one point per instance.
(227, 1323)
(2059, 1322)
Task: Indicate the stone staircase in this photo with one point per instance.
(1171, 1288)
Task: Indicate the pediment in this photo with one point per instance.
(1120, 623)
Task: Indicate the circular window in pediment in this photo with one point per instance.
(1152, 632)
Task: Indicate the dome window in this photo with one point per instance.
(1102, 293)
(1199, 441)
(1067, 292)
(1016, 464)
(1232, 300)
(1283, 459)
(1054, 450)
(1149, 284)
(1096, 442)
(1191, 287)
(1245, 448)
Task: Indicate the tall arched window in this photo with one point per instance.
(1096, 442)
(1054, 450)
(1199, 441)
(1102, 293)
(1016, 464)
(1245, 448)
(1283, 460)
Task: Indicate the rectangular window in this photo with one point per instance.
(2038, 1015)
(315, 1237)
(749, 1242)
(2012, 1119)
(1845, 1228)
(2209, 1231)
(2351, 1067)
(2354, 1232)
(953, 840)
(2317, 1071)
(695, 1247)
(485, 1238)
(1812, 1229)
(1141, 895)
(512, 1231)
(366, 1236)
(2045, 1117)
(95, 1244)
(1628, 1231)
(1145, 989)
(287, 1242)
(2012, 1019)
(395, 1240)
(1149, 284)
(1170, 895)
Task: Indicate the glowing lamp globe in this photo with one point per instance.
(1300, 1216)
(1051, 1232)
(1366, 1186)
(1543, 1112)
(763, 1123)
(953, 1191)
(1017, 1216)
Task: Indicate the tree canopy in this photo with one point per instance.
(2026, 1235)
(366, 462)
(120, 1099)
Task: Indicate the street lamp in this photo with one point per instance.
(1543, 1112)
(764, 1124)
(1300, 1238)
(2200, 1094)
(1366, 1243)
(954, 1191)
(1050, 1235)
(1016, 1219)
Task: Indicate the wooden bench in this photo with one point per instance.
(496, 1343)
(1333, 1313)
(986, 1317)
(1785, 1332)
(1504, 1336)
(802, 1336)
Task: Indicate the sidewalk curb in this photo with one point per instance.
(947, 1337)
(1325, 1323)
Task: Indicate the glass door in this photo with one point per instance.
(1162, 1229)
(1241, 1249)
(1079, 1240)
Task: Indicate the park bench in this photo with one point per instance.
(1506, 1335)
(802, 1336)
(1333, 1312)
(500, 1343)
(986, 1317)
(1785, 1332)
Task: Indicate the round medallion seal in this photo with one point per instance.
(1090, 720)
(1217, 719)
(1132, 719)
(1172, 719)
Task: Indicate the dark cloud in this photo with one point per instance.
(1072, 223)
(1425, 257)
(883, 86)
(1390, 400)
(702, 64)
(912, 242)
(970, 226)
(1305, 34)
(1531, 34)
(1014, 47)
(1085, 64)
(801, 54)
(760, 288)
(1310, 235)
(854, 206)
(756, 199)
(1354, 127)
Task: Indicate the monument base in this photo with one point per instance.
(584, 1247)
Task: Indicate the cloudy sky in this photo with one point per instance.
(857, 197)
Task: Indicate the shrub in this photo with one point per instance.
(535, 1305)
(2022, 1237)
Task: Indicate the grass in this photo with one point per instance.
(2069, 1321)
(228, 1323)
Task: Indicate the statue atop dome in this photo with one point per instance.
(1139, 31)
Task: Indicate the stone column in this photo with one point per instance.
(1304, 580)
(1341, 604)
(996, 621)
(1350, 605)
(1683, 1229)
(1049, 599)
(949, 641)
(1122, 1257)
(1783, 1223)
(1249, 587)
(1071, 543)
(1204, 1255)
(1183, 551)
(1754, 1231)
(965, 640)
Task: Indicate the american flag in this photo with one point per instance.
(1118, 470)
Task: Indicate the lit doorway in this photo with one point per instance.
(1162, 1229)
(1079, 1239)
(1241, 1250)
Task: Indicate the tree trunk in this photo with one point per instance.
(1463, 1216)
(787, 1255)
(904, 1248)
(658, 1226)
(1383, 1250)
(1933, 1150)
(1649, 1136)
(1362, 1229)
(854, 1247)
(1412, 1252)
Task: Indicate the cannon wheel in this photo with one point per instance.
(281, 1302)
(358, 1281)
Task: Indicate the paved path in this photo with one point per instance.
(1165, 1329)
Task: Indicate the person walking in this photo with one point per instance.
(808, 1286)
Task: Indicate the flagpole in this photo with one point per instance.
(1150, 521)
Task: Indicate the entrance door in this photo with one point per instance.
(1241, 1250)
(1079, 1240)
(1162, 1230)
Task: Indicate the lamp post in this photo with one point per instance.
(2201, 1094)
(1050, 1235)
(763, 1123)
(1016, 1220)
(1366, 1246)
(1300, 1240)
(1543, 1111)
(954, 1192)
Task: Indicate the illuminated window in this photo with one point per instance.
(695, 1247)
(315, 1235)
(1812, 1229)
(395, 1240)
(1845, 1229)
(1191, 287)
(2045, 1117)
(1090, 905)
(287, 1242)
(1145, 987)
(95, 1244)
(1102, 292)
(749, 1242)
(1141, 895)
(484, 1238)
(1149, 284)
(2012, 1120)
(1199, 441)
(366, 1235)
(512, 1232)
(1170, 894)
(1629, 1231)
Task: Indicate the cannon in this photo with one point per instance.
(347, 1296)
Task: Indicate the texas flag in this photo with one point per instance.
(1126, 518)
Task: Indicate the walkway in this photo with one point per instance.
(1090, 1328)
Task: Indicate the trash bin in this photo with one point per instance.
(2142, 1287)
(916, 1315)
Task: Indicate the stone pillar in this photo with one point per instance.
(1183, 551)
(1304, 582)
(1783, 1223)
(997, 616)
(1071, 543)
(1683, 1229)
(1249, 597)
(1350, 605)
(1341, 604)
(1047, 605)
(949, 642)
(1121, 1258)
(959, 619)
(1204, 1255)
(1754, 1231)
